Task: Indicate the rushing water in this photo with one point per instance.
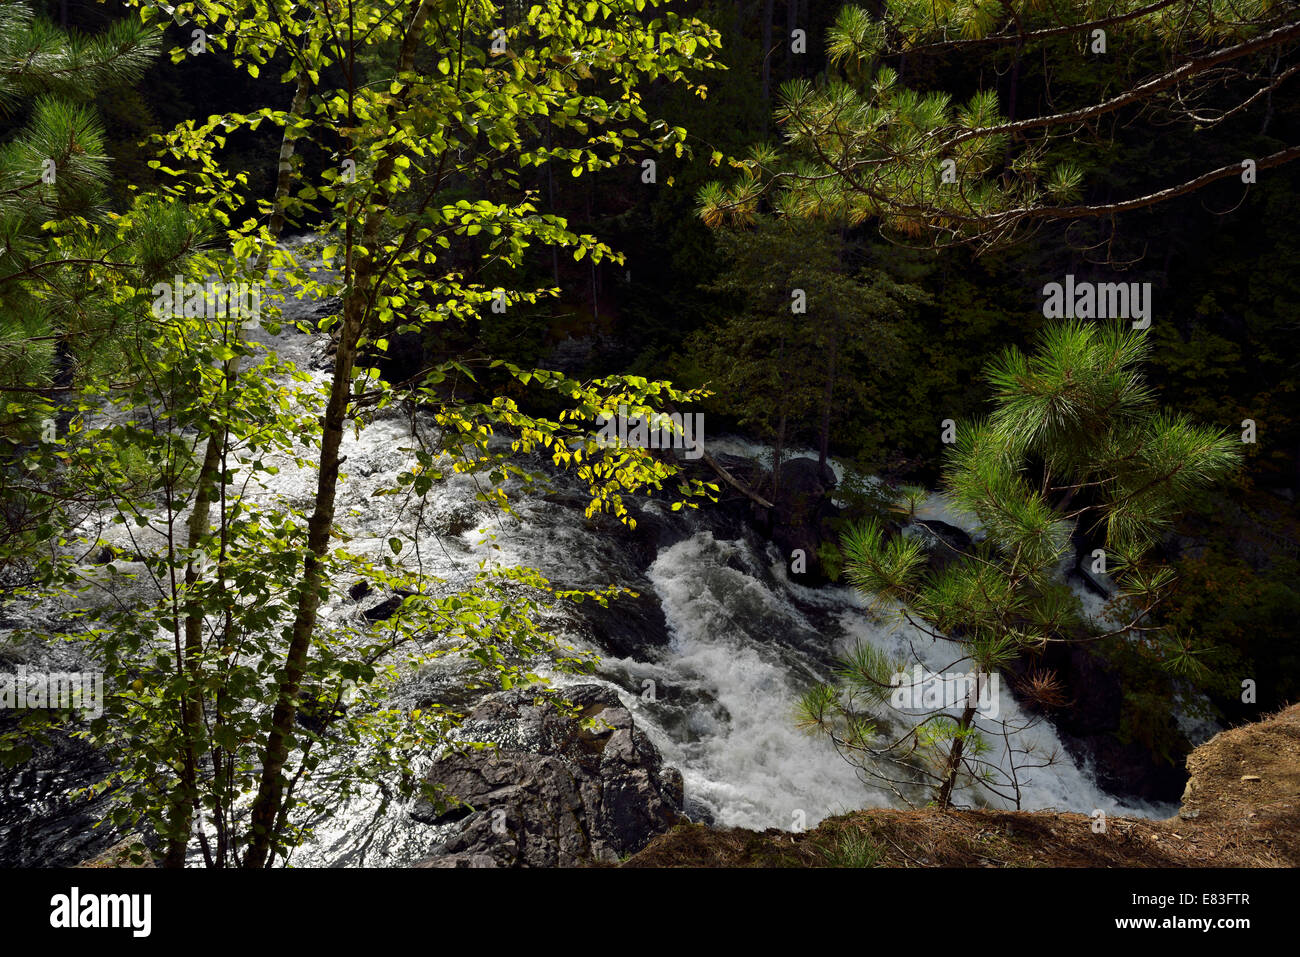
(712, 675)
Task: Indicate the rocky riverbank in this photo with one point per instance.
(556, 790)
(589, 788)
(1240, 808)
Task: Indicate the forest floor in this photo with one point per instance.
(1241, 808)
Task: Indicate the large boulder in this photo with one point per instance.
(552, 792)
(131, 851)
(803, 510)
(943, 543)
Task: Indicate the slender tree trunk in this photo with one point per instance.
(1013, 97)
(832, 367)
(268, 802)
(828, 395)
(778, 452)
(1268, 97)
(595, 275)
(768, 13)
(266, 807)
(210, 472)
(791, 24)
(550, 195)
(954, 757)
(185, 798)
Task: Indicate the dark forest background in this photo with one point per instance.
(1224, 264)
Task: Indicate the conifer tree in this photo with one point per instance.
(54, 323)
(801, 320)
(70, 268)
(874, 141)
(1076, 445)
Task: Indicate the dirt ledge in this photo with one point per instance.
(1241, 808)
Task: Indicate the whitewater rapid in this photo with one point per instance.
(716, 692)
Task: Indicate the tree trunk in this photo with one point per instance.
(778, 450)
(550, 196)
(768, 13)
(734, 482)
(210, 473)
(1013, 97)
(791, 24)
(266, 807)
(828, 395)
(725, 475)
(954, 756)
(778, 453)
(270, 793)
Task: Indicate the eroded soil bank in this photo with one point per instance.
(1241, 808)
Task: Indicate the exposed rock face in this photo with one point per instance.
(627, 626)
(944, 543)
(552, 793)
(131, 851)
(803, 507)
(386, 608)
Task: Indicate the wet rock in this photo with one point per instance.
(552, 793)
(572, 355)
(386, 608)
(1091, 722)
(1093, 583)
(944, 543)
(803, 509)
(628, 624)
(321, 308)
(459, 860)
(111, 553)
(131, 851)
(461, 519)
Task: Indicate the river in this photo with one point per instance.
(710, 660)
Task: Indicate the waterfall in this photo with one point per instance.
(713, 679)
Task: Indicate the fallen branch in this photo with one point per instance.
(731, 480)
(726, 476)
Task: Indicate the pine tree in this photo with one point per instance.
(870, 141)
(56, 321)
(71, 272)
(1076, 446)
(805, 329)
